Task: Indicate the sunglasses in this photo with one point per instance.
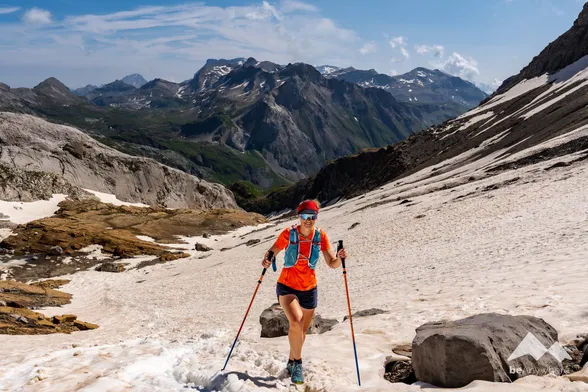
(309, 216)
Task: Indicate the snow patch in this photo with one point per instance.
(24, 212)
(519, 89)
(476, 119)
(112, 199)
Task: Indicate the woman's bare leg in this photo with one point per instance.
(295, 316)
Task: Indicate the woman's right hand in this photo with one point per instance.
(265, 262)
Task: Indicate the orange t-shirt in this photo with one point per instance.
(300, 277)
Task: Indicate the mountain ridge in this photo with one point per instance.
(537, 119)
(239, 119)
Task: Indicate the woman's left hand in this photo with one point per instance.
(342, 254)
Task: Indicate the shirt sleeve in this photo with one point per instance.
(283, 240)
(325, 244)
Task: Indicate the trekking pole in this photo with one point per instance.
(339, 247)
(270, 257)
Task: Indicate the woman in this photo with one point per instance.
(297, 285)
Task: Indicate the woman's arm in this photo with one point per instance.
(334, 261)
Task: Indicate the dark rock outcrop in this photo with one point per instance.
(366, 313)
(110, 267)
(202, 248)
(491, 347)
(274, 323)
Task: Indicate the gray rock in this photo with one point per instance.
(55, 251)
(274, 323)
(584, 349)
(366, 312)
(202, 248)
(51, 152)
(452, 354)
(252, 242)
(205, 235)
(110, 267)
(400, 371)
(2, 303)
(2, 216)
(22, 319)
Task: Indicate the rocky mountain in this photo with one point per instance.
(327, 69)
(537, 115)
(83, 91)
(111, 93)
(134, 80)
(31, 143)
(418, 85)
(239, 119)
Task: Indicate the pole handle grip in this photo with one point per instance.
(270, 255)
(339, 247)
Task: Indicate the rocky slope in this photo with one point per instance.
(570, 47)
(35, 144)
(539, 118)
(28, 185)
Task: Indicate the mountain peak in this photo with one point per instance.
(51, 82)
(302, 70)
(235, 61)
(134, 80)
(55, 89)
(568, 48)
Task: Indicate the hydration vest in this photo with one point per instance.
(292, 252)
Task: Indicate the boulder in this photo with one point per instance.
(400, 371)
(82, 326)
(366, 312)
(66, 318)
(55, 251)
(491, 347)
(252, 242)
(202, 248)
(274, 323)
(110, 267)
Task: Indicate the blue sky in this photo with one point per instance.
(94, 42)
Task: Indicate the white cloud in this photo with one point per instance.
(369, 47)
(404, 52)
(294, 5)
(8, 10)
(175, 39)
(37, 16)
(393, 72)
(462, 66)
(436, 50)
(396, 60)
(397, 41)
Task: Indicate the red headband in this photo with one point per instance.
(308, 205)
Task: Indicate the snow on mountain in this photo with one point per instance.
(420, 85)
(327, 69)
